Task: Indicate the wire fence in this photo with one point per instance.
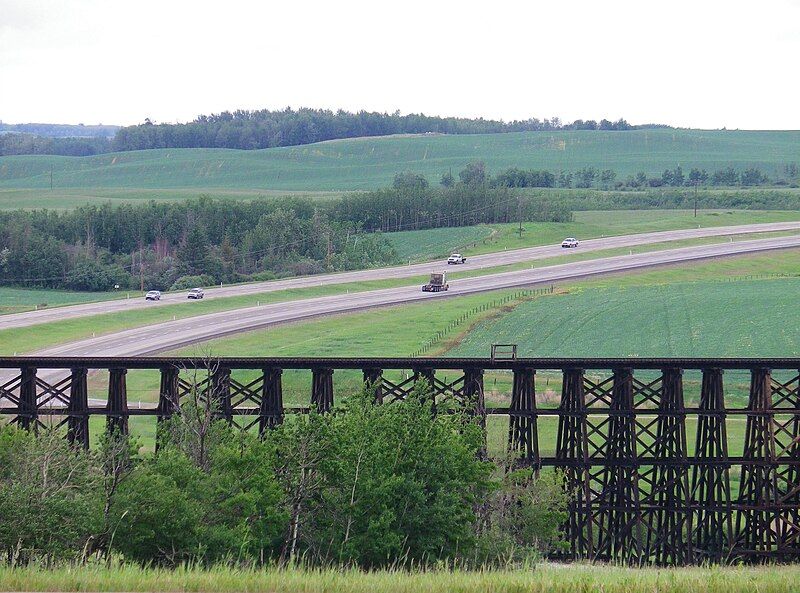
(428, 345)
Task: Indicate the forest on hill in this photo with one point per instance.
(249, 130)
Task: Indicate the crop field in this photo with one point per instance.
(68, 198)
(742, 318)
(541, 578)
(368, 163)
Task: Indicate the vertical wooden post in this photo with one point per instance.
(28, 404)
(756, 529)
(78, 409)
(475, 402)
(117, 405)
(667, 512)
(221, 392)
(322, 389)
(168, 400)
(711, 490)
(572, 453)
(271, 410)
(373, 379)
(617, 507)
(523, 434)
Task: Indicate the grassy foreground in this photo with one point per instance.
(543, 578)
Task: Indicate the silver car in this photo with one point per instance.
(195, 293)
(153, 295)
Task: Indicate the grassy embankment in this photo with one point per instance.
(544, 578)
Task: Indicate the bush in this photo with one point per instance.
(396, 483)
(50, 497)
(186, 282)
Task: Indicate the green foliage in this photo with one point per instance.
(397, 483)
(154, 516)
(367, 485)
(522, 519)
(473, 174)
(410, 181)
(187, 282)
(515, 177)
(50, 502)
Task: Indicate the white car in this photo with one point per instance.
(196, 293)
(569, 242)
(456, 258)
(153, 295)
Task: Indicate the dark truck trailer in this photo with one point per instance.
(437, 283)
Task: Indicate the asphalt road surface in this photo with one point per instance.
(473, 263)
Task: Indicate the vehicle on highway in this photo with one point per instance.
(437, 283)
(456, 258)
(196, 293)
(569, 242)
(153, 295)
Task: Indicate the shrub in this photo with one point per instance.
(397, 483)
(186, 282)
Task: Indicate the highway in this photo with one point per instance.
(491, 260)
(170, 335)
(173, 334)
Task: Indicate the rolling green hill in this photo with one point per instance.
(368, 163)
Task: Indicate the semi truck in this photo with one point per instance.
(437, 283)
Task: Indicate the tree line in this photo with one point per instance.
(206, 241)
(288, 127)
(18, 144)
(365, 485)
(606, 179)
(243, 129)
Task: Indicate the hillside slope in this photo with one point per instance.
(371, 162)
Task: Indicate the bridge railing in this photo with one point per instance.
(654, 471)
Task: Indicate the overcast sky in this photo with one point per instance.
(698, 63)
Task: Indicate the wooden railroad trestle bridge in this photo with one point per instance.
(640, 493)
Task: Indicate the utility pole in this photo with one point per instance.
(141, 269)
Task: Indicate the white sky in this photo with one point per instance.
(700, 63)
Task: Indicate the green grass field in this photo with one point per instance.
(367, 163)
(14, 300)
(542, 578)
(744, 318)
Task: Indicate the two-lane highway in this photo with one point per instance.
(473, 263)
